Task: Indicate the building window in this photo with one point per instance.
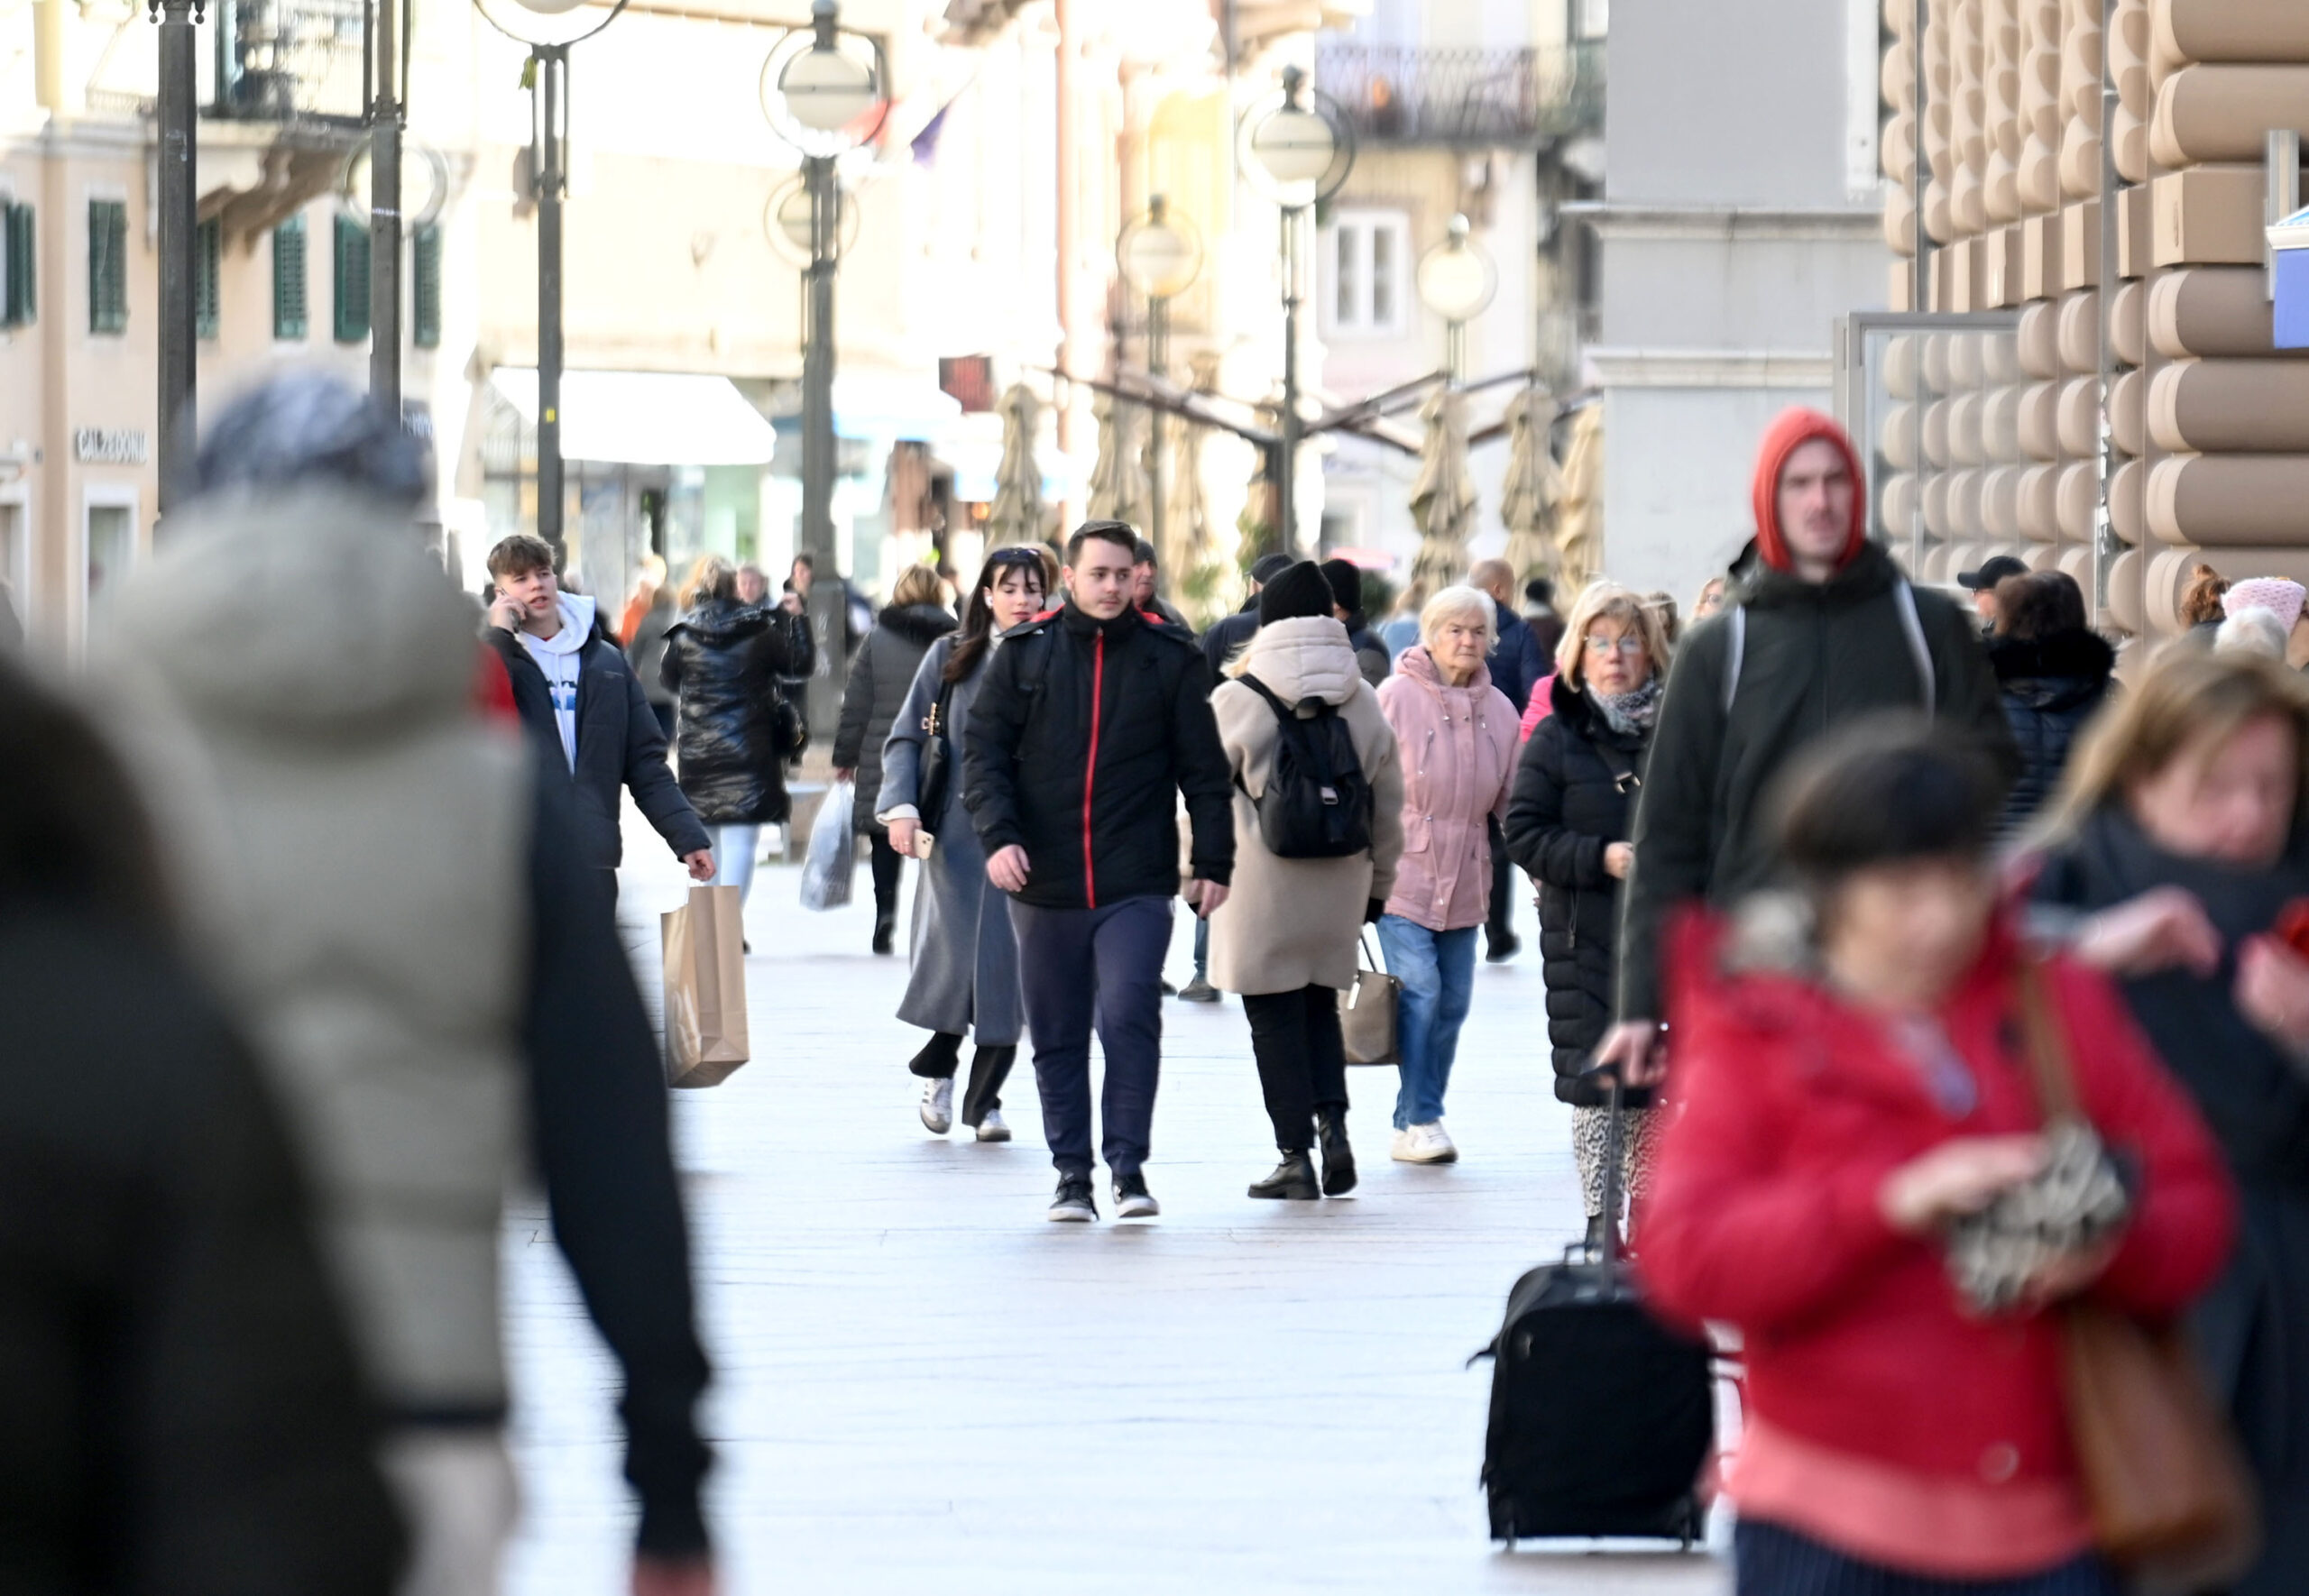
(16, 268)
(108, 550)
(1370, 273)
(107, 266)
(207, 267)
(291, 317)
(424, 287)
(352, 281)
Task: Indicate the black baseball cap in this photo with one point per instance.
(1270, 566)
(1992, 571)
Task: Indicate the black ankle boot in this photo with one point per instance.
(1294, 1177)
(1596, 1233)
(885, 934)
(1338, 1158)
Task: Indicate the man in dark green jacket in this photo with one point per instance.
(1822, 629)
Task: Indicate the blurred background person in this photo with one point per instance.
(753, 586)
(1852, 1089)
(1400, 630)
(964, 974)
(2052, 671)
(1709, 598)
(185, 1413)
(397, 897)
(1568, 823)
(2282, 598)
(2250, 631)
(2175, 848)
(881, 673)
(1284, 939)
(649, 593)
(1231, 632)
(1541, 615)
(2200, 607)
(1516, 666)
(1145, 586)
(1981, 585)
(645, 649)
(1456, 737)
(724, 662)
(1662, 605)
(1346, 580)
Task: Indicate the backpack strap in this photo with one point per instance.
(1904, 599)
(1734, 652)
(1621, 769)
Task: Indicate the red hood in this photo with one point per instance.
(1796, 428)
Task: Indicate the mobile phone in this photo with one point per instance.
(2292, 926)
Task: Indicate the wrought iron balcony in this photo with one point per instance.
(1399, 96)
(289, 60)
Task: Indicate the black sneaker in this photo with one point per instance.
(1132, 1199)
(1199, 991)
(1074, 1203)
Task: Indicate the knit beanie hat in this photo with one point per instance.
(1346, 584)
(1299, 592)
(1270, 566)
(2277, 595)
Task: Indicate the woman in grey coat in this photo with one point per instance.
(965, 974)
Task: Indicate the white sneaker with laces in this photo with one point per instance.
(938, 1105)
(1424, 1144)
(993, 1128)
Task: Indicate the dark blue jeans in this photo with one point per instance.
(1771, 1560)
(1103, 966)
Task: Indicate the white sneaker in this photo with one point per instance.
(992, 1128)
(938, 1105)
(1424, 1144)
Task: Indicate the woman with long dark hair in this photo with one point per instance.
(965, 955)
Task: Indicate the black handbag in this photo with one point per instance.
(937, 767)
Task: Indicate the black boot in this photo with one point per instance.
(1596, 1233)
(885, 933)
(1294, 1177)
(1338, 1158)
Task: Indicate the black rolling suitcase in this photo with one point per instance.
(1601, 1418)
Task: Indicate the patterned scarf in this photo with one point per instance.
(1631, 713)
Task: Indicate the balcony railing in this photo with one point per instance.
(1398, 96)
(289, 60)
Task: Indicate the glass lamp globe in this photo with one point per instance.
(1294, 146)
(1456, 279)
(826, 90)
(549, 7)
(1160, 254)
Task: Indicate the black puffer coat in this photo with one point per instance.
(880, 674)
(723, 660)
(2050, 686)
(1567, 807)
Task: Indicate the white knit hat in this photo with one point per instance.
(2280, 596)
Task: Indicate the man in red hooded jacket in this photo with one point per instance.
(1819, 629)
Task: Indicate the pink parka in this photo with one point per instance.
(1458, 747)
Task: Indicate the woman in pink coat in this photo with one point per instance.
(1456, 733)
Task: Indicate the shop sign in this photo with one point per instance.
(110, 445)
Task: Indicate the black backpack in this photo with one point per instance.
(1317, 804)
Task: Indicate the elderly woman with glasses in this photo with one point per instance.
(1456, 736)
(1568, 824)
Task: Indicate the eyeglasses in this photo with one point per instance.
(1599, 644)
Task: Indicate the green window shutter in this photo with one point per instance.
(17, 308)
(352, 281)
(291, 317)
(424, 287)
(207, 270)
(107, 266)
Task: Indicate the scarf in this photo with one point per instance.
(1631, 713)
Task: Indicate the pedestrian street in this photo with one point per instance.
(923, 1386)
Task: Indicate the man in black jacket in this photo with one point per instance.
(1092, 716)
(581, 702)
(1231, 632)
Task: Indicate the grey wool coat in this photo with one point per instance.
(1289, 923)
(965, 955)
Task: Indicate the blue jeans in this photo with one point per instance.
(733, 858)
(1438, 970)
(1771, 1560)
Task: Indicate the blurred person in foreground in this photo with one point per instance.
(1821, 629)
(2174, 850)
(398, 899)
(184, 1410)
(1851, 1098)
(881, 673)
(579, 698)
(2052, 673)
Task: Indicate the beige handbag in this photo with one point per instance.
(705, 988)
(1367, 1015)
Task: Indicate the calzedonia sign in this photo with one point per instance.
(109, 445)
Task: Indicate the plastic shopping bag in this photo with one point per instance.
(833, 858)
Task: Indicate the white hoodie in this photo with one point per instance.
(560, 657)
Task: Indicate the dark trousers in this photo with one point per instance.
(990, 1067)
(1771, 1560)
(1501, 925)
(886, 861)
(1102, 965)
(1302, 1059)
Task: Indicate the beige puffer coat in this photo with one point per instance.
(1289, 923)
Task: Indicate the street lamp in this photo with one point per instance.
(179, 199)
(1160, 254)
(374, 169)
(1456, 281)
(1300, 143)
(548, 27)
(825, 91)
(786, 223)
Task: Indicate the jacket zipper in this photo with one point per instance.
(1090, 768)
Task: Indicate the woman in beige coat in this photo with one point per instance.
(1285, 937)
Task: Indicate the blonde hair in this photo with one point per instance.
(712, 577)
(1608, 600)
(918, 584)
(2188, 696)
(1452, 603)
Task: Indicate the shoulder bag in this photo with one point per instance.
(1366, 1014)
(936, 773)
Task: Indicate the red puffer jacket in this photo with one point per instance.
(1794, 1108)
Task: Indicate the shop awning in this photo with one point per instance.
(647, 418)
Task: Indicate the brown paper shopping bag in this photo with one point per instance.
(705, 988)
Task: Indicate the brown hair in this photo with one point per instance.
(712, 577)
(1607, 601)
(977, 635)
(2200, 599)
(2036, 605)
(2188, 696)
(917, 584)
(519, 555)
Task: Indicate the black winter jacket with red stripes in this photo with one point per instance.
(1081, 735)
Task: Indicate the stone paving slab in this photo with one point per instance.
(923, 1386)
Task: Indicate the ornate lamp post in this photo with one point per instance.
(548, 27)
(1456, 281)
(1300, 143)
(824, 89)
(1160, 254)
(371, 188)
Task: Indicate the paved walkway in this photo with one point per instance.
(923, 1387)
